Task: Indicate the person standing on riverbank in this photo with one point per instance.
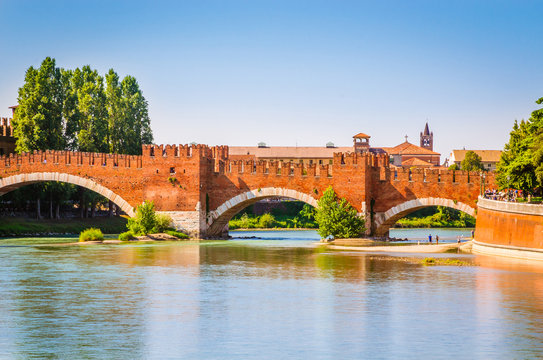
(430, 238)
(437, 239)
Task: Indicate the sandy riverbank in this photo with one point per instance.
(427, 248)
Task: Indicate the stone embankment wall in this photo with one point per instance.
(509, 229)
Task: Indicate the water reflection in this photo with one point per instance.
(261, 299)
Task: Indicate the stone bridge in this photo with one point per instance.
(201, 188)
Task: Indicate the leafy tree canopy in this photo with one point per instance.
(337, 218)
(471, 162)
(454, 167)
(77, 110)
(521, 162)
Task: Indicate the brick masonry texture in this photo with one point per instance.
(513, 225)
(201, 187)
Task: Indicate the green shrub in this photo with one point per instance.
(337, 218)
(125, 236)
(135, 227)
(162, 223)
(145, 219)
(267, 220)
(91, 234)
(177, 234)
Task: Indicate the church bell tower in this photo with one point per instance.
(427, 139)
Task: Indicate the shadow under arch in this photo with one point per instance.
(384, 222)
(13, 182)
(217, 219)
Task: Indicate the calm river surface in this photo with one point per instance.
(277, 298)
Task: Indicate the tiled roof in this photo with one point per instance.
(406, 148)
(283, 152)
(361, 136)
(416, 162)
(486, 155)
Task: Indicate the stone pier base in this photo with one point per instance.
(189, 222)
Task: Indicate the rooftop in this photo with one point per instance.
(486, 155)
(417, 162)
(406, 148)
(283, 152)
(361, 136)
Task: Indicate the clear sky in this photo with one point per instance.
(298, 72)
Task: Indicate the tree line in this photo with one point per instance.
(78, 110)
(521, 163)
(64, 109)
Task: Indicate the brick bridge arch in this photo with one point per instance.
(386, 220)
(201, 186)
(219, 218)
(16, 181)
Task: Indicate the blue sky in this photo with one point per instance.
(298, 72)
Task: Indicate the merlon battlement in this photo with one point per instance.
(185, 151)
(62, 157)
(6, 128)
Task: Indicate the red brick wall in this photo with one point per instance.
(509, 228)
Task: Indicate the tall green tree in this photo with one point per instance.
(129, 123)
(91, 113)
(521, 162)
(472, 162)
(337, 218)
(537, 117)
(515, 168)
(39, 123)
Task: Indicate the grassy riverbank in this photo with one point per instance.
(436, 217)
(269, 221)
(284, 215)
(24, 227)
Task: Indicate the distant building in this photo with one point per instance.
(489, 158)
(405, 154)
(293, 154)
(408, 155)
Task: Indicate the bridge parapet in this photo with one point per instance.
(185, 151)
(265, 167)
(61, 157)
(435, 176)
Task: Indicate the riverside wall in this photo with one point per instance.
(509, 229)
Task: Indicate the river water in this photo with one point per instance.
(277, 297)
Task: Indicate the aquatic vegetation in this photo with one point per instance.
(91, 234)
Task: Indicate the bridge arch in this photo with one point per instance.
(386, 220)
(217, 219)
(13, 182)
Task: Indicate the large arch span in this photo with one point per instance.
(217, 219)
(13, 182)
(386, 220)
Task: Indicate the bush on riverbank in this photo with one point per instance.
(337, 218)
(147, 221)
(16, 226)
(177, 234)
(91, 234)
(126, 236)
